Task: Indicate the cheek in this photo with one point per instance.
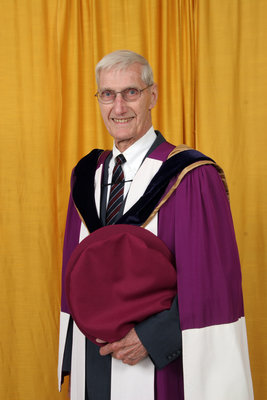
(104, 113)
(144, 114)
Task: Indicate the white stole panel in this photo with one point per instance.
(216, 363)
(77, 381)
(141, 180)
(98, 176)
(132, 382)
(63, 329)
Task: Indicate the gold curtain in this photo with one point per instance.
(210, 61)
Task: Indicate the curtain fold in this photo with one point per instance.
(231, 120)
(209, 60)
(30, 114)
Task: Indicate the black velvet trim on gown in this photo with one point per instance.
(83, 193)
(83, 188)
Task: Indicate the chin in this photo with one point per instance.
(118, 136)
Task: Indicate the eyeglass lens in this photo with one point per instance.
(129, 94)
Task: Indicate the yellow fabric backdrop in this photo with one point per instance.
(210, 61)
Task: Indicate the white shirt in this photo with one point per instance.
(134, 156)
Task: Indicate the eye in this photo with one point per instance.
(131, 92)
(106, 94)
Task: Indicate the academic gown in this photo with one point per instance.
(192, 216)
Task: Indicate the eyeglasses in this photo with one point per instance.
(130, 94)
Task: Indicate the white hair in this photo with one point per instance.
(122, 59)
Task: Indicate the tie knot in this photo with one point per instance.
(120, 159)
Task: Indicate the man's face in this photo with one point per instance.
(127, 121)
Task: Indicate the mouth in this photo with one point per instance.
(122, 120)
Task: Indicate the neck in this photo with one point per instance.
(123, 145)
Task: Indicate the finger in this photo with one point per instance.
(105, 350)
(130, 352)
(134, 355)
(124, 353)
(100, 341)
(130, 361)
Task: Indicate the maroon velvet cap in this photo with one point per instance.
(116, 277)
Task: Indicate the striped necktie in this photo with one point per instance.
(116, 191)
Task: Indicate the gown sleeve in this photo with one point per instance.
(196, 224)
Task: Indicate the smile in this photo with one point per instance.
(121, 120)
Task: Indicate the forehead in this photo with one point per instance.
(118, 79)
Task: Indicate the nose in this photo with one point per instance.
(119, 105)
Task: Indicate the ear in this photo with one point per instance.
(154, 96)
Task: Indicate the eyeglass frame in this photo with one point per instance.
(97, 95)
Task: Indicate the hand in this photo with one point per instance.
(129, 349)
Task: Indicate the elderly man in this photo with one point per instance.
(195, 347)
